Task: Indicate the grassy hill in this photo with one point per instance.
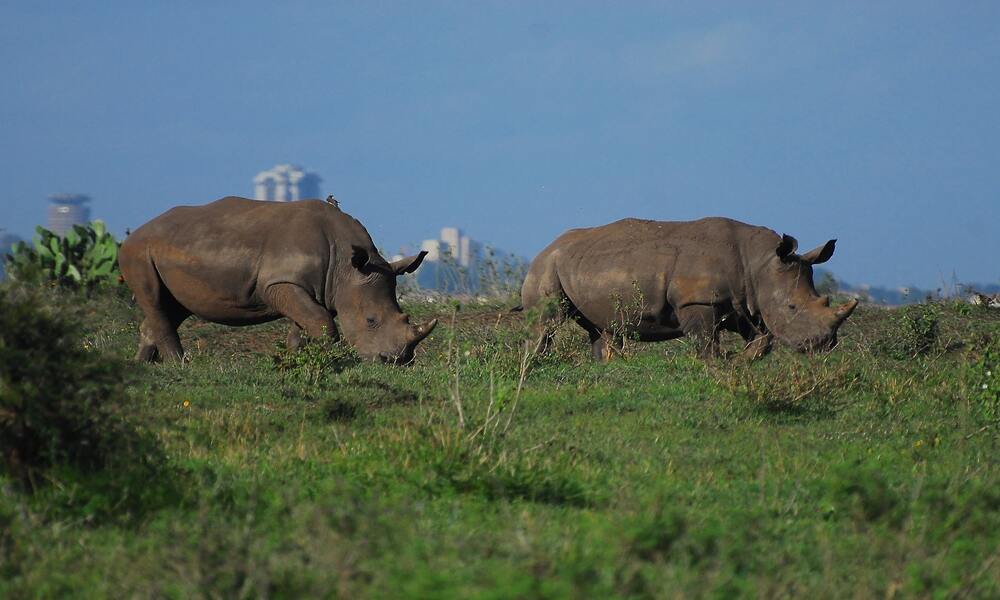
(480, 472)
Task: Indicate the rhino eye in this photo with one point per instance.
(791, 307)
(372, 323)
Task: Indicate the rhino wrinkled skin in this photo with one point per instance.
(660, 280)
(243, 262)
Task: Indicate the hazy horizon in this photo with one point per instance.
(873, 124)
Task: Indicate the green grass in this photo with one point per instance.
(870, 471)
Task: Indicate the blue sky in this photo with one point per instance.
(875, 123)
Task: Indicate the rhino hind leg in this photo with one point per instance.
(306, 314)
(163, 313)
(699, 322)
(158, 337)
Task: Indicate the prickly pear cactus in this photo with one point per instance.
(86, 257)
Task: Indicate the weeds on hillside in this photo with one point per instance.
(789, 386)
(624, 326)
(983, 383)
(914, 332)
(59, 404)
(315, 359)
(68, 432)
(503, 357)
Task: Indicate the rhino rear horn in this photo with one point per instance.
(419, 332)
(407, 264)
(786, 248)
(820, 254)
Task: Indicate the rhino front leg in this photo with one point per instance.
(604, 344)
(295, 303)
(293, 340)
(758, 339)
(699, 323)
(758, 347)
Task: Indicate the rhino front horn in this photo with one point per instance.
(421, 331)
(844, 310)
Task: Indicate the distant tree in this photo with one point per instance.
(827, 284)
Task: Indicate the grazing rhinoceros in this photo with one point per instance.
(659, 280)
(242, 262)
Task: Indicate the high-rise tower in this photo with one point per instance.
(286, 183)
(67, 210)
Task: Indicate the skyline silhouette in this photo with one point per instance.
(872, 124)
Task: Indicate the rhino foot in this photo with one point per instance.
(757, 348)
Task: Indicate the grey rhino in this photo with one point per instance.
(660, 280)
(243, 262)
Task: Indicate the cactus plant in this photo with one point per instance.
(87, 256)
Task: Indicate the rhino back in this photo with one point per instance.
(662, 264)
(219, 257)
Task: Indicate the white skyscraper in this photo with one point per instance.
(458, 272)
(67, 210)
(286, 183)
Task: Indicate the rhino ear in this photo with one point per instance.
(786, 248)
(362, 260)
(407, 264)
(359, 258)
(821, 254)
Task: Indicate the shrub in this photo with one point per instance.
(315, 359)
(984, 384)
(60, 405)
(792, 387)
(914, 331)
(87, 256)
(859, 490)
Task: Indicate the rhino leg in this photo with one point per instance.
(604, 345)
(698, 321)
(542, 293)
(293, 340)
(543, 332)
(758, 347)
(158, 338)
(163, 313)
(758, 339)
(295, 303)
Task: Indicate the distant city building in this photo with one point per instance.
(67, 210)
(451, 261)
(286, 183)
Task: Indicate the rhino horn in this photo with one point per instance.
(408, 264)
(844, 310)
(419, 332)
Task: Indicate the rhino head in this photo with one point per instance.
(791, 308)
(368, 312)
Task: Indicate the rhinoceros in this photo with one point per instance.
(242, 262)
(660, 280)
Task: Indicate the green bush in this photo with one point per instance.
(60, 405)
(316, 359)
(914, 333)
(87, 256)
(984, 384)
